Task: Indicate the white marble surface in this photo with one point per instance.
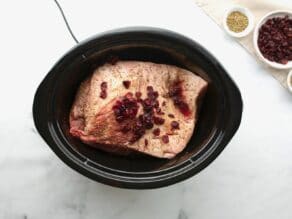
(252, 178)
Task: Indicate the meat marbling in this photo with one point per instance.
(93, 118)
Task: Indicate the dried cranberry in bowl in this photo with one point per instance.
(275, 39)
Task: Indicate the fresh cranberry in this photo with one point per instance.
(152, 94)
(127, 84)
(156, 132)
(103, 94)
(147, 102)
(174, 125)
(138, 128)
(158, 120)
(138, 95)
(127, 108)
(138, 131)
(147, 120)
(147, 105)
(165, 139)
(155, 104)
(103, 85)
(149, 88)
(103, 88)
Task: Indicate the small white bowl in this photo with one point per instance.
(289, 81)
(244, 11)
(278, 13)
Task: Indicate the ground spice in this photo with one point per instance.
(237, 21)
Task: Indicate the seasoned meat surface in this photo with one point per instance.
(137, 106)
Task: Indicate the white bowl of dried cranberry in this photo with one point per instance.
(272, 39)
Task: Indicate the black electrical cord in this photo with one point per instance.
(66, 22)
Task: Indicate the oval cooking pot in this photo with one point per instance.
(219, 117)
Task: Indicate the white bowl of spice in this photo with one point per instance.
(238, 21)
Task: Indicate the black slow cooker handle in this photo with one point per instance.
(66, 22)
